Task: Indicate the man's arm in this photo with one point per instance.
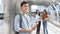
(25, 30)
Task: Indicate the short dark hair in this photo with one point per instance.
(24, 2)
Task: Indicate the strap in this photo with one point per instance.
(20, 19)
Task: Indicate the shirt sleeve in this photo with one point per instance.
(17, 23)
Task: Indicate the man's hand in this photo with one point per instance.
(29, 30)
(26, 30)
(34, 27)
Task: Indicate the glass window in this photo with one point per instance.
(1, 9)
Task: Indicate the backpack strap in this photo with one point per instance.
(20, 19)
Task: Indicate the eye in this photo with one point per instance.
(26, 6)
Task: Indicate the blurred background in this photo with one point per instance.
(10, 8)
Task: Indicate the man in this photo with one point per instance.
(26, 25)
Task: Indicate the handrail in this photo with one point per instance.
(54, 24)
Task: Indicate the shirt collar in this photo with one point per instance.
(22, 13)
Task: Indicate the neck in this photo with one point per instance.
(24, 12)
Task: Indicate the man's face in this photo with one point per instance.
(25, 7)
